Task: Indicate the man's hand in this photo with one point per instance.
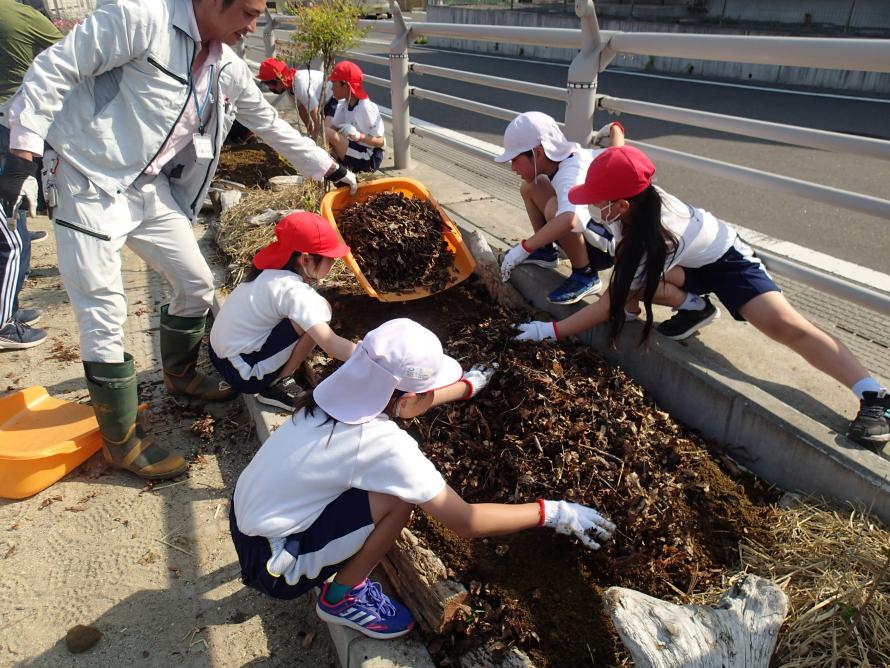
(350, 132)
(583, 522)
(477, 378)
(14, 184)
(514, 257)
(536, 331)
(340, 176)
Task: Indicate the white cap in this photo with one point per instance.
(398, 355)
(531, 129)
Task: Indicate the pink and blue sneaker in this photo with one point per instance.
(367, 609)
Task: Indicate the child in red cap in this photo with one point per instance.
(355, 133)
(272, 321)
(670, 253)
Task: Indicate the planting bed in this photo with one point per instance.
(251, 165)
(558, 422)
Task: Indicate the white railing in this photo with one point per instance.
(596, 50)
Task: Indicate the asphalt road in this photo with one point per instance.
(851, 236)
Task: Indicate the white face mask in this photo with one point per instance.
(598, 216)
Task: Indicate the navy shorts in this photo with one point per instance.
(330, 106)
(348, 513)
(736, 278)
(369, 161)
(280, 339)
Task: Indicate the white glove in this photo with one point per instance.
(29, 194)
(514, 257)
(350, 132)
(583, 522)
(599, 237)
(343, 177)
(536, 331)
(603, 136)
(477, 378)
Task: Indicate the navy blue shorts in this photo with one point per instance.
(330, 106)
(736, 278)
(349, 512)
(280, 339)
(372, 157)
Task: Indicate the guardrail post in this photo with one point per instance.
(398, 87)
(269, 35)
(583, 72)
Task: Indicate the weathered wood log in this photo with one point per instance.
(740, 631)
(495, 657)
(489, 270)
(421, 580)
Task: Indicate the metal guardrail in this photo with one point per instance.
(596, 50)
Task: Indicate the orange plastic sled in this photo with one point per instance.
(336, 200)
(42, 439)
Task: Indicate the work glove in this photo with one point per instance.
(15, 185)
(582, 522)
(343, 177)
(477, 378)
(514, 257)
(599, 237)
(536, 331)
(603, 136)
(350, 132)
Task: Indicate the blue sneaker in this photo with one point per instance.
(367, 609)
(574, 288)
(547, 257)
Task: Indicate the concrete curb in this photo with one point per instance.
(765, 435)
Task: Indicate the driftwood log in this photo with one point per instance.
(422, 582)
(489, 270)
(740, 631)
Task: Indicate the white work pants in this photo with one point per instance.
(147, 219)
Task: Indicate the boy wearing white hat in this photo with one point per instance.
(330, 491)
(549, 165)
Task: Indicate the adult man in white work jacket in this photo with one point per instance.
(150, 90)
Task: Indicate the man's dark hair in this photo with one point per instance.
(226, 3)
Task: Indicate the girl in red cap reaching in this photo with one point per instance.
(272, 321)
(670, 253)
(355, 132)
(330, 491)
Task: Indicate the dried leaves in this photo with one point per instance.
(397, 242)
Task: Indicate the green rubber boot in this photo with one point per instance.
(126, 444)
(180, 342)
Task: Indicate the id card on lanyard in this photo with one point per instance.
(203, 144)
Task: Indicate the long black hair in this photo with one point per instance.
(643, 240)
(292, 264)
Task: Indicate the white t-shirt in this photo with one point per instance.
(702, 238)
(572, 172)
(307, 463)
(253, 310)
(307, 84)
(364, 117)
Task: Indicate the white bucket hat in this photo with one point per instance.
(532, 128)
(398, 355)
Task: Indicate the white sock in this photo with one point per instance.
(692, 303)
(867, 384)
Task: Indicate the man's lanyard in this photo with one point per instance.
(201, 107)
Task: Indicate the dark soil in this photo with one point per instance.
(397, 243)
(558, 422)
(251, 164)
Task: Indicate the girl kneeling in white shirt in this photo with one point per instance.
(330, 491)
(272, 321)
(669, 253)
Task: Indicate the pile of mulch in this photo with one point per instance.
(397, 242)
(558, 422)
(251, 165)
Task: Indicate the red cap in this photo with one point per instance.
(303, 232)
(352, 75)
(272, 69)
(617, 173)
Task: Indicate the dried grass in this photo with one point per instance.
(833, 565)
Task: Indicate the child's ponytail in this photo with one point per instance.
(644, 239)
